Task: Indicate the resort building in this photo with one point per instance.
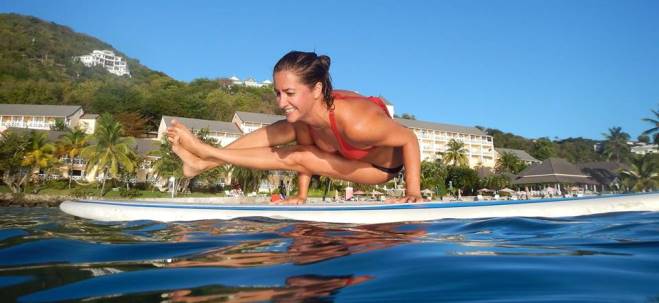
(640, 148)
(108, 60)
(88, 123)
(248, 122)
(554, 171)
(434, 137)
(249, 82)
(520, 154)
(41, 117)
(607, 174)
(222, 132)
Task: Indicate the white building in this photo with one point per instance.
(640, 148)
(249, 82)
(222, 132)
(88, 123)
(43, 117)
(248, 122)
(434, 137)
(108, 60)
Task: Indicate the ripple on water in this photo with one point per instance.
(46, 256)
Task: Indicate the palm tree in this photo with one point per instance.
(39, 154)
(112, 152)
(643, 173)
(249, 179)
(456, 154)
(12, 151)
(655, 129)
(508, 162)
(615, 146)
(71, 144)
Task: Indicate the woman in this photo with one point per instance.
(339, 134)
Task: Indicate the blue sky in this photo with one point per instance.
(534, 68)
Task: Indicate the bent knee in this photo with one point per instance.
(300, 157)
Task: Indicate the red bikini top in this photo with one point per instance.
(346, 149)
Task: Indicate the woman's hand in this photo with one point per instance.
(409, 199)
(292, 201)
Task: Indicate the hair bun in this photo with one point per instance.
(325, 60)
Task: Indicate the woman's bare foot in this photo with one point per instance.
(192, 165)
(178, 133)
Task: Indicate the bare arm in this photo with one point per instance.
(302, 137)
(377, 129)
(278, 133)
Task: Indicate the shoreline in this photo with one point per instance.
(44, 200)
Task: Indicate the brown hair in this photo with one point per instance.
(311, 69)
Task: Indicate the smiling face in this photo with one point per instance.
(294, 97)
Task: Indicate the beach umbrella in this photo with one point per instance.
(358, 192)
(508, 190)
(485, 190)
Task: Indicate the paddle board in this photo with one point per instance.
(104, 210)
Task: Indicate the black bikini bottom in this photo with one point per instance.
(391, 171)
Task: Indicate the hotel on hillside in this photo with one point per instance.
(108, 60)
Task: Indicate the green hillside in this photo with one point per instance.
(37, 66)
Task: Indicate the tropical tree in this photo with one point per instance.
(615, 146)
(168, 163)
(654, 131)
(495, 182)
(71, 144)
(249, 179)
(509, 163)
(433, 174)
(463, 178)
(543, 149)
(40, 153)
(112, 153)
(456, 154)
(643, 173)
(12, 152)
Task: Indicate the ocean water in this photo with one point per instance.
(48, 256)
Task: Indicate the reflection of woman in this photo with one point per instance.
(310, 243)
(339, 134)
(307, 288)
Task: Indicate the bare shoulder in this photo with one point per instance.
(347, 93)
(360, 119)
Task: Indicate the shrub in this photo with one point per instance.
(82, 192)
(57, 184)
(129, 193)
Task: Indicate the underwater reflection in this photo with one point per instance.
(306, 288)
(305, 243)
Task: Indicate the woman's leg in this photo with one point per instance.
(194, 160)
(193, 165)
(301, 158)
(278, 133)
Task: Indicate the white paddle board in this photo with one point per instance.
(104, 210)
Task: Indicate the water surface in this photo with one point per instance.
(49, 256)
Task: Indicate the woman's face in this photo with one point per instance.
(293, 96)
